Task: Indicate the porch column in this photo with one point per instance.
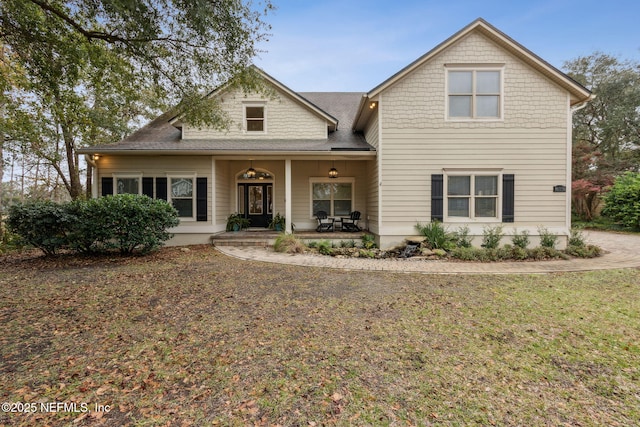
(287, 196)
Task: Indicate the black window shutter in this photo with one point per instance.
(161, 188)
(508, 196)
(437, 197)
(107, 186)
(201, 199)
(147, 186)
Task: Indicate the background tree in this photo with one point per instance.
(606, 133)
(90, 70)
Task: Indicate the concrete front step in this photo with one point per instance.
(238, 242)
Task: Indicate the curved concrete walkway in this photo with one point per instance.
(622, 251)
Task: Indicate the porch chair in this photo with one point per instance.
(324, 222)
(351, 223)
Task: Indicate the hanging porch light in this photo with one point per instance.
(251, 172)
(333, 172)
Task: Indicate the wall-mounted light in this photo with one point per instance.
(251, 172)
(372, 105)
(333, 172)
(95, 157)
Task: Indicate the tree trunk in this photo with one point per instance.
(74, 185)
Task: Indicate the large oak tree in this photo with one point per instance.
(81, 72)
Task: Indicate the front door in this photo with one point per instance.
(255, 202)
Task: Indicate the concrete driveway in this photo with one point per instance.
(622, 251)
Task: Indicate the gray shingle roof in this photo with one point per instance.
(160, 135)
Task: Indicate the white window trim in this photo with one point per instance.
(136, 175)
(472, 218)
(327, 180)
(244, 118)
(474, 68)
(187, 175)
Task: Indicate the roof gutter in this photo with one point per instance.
(580, 105)
(244, 153)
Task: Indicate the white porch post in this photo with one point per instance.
(287, 196)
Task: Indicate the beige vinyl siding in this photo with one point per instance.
(419, 100)
(371, 133)
(284, 119)
(373, 210)
(538, 161)
(530, 142)
(159, 167)
(304, 169)
(223, 199)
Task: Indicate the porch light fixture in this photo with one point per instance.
(372, 105)
(333, 172)
(96, 157)
(251, 172)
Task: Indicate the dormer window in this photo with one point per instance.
(254, 118)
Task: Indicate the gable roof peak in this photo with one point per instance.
(579, 94)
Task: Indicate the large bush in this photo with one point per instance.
(128, 222)
(622, 202)
(124, 222)
(42, 224)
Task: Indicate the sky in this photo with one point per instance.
(354, 45)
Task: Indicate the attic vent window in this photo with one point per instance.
(254, 116)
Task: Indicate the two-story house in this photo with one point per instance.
(476, 132)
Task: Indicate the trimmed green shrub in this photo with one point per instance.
(462, 238)
(576, 238)
(133, 222)
(86, 233)
(466, 253)
(491, 237)
(41, 223)
(521, 240)
(547, 238)
(622, 202)
(435, 234)
(584, 251)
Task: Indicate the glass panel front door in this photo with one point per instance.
(255, 203)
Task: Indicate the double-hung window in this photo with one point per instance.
(474, 93)
(473, 196)
(254, 116)
(181, 195)
(335, 198)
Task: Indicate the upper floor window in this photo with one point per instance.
(474, 93)
(254, 118)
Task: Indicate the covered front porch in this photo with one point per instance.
(261, 187)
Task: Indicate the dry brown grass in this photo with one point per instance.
(197, 338)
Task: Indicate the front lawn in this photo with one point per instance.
(197, 338)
